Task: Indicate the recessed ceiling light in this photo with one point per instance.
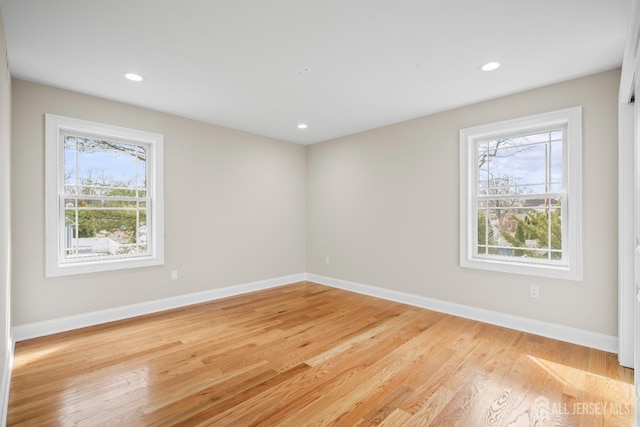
(134, 77)
(490, 66)
(302, 126)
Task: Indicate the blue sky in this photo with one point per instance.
(119, 166)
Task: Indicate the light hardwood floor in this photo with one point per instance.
(306, 354)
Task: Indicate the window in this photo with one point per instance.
(104, 197)
(520, 195)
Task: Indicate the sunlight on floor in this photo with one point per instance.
(598, 394)
(561, 372)
(25, 358)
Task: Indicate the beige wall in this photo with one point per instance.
(234, 209)
(384, 206)
(5, 209)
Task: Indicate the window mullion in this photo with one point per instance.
(529, 196)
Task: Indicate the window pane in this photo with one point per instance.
(523, 164)
(556, 166)
(526, 164)
(104, 232)
(104, 167)
(70, 177)
(84, 204)
(528, 228)
(486, 236)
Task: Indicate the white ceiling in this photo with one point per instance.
(341, 66)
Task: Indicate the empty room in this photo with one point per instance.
(340, 213)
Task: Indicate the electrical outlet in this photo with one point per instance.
(327, 260)
(174, 274)
(534, 291)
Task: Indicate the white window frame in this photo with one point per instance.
(55, 128)
(571, 266)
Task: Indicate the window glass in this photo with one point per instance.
(519, 192)
(105, 198)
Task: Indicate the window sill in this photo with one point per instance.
(104, 265)
(541, 270)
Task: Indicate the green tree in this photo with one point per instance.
(535, 227)
(485, 237)
(111, 216)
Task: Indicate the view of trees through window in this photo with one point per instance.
(105, 198)
(519, 195)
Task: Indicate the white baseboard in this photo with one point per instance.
(5, 382)
(560, 332)
(550, 330)
(39, 329)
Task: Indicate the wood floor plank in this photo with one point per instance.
(306, 354)
(397, 418)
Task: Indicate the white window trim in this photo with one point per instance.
(572, 182)
(54, 183)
